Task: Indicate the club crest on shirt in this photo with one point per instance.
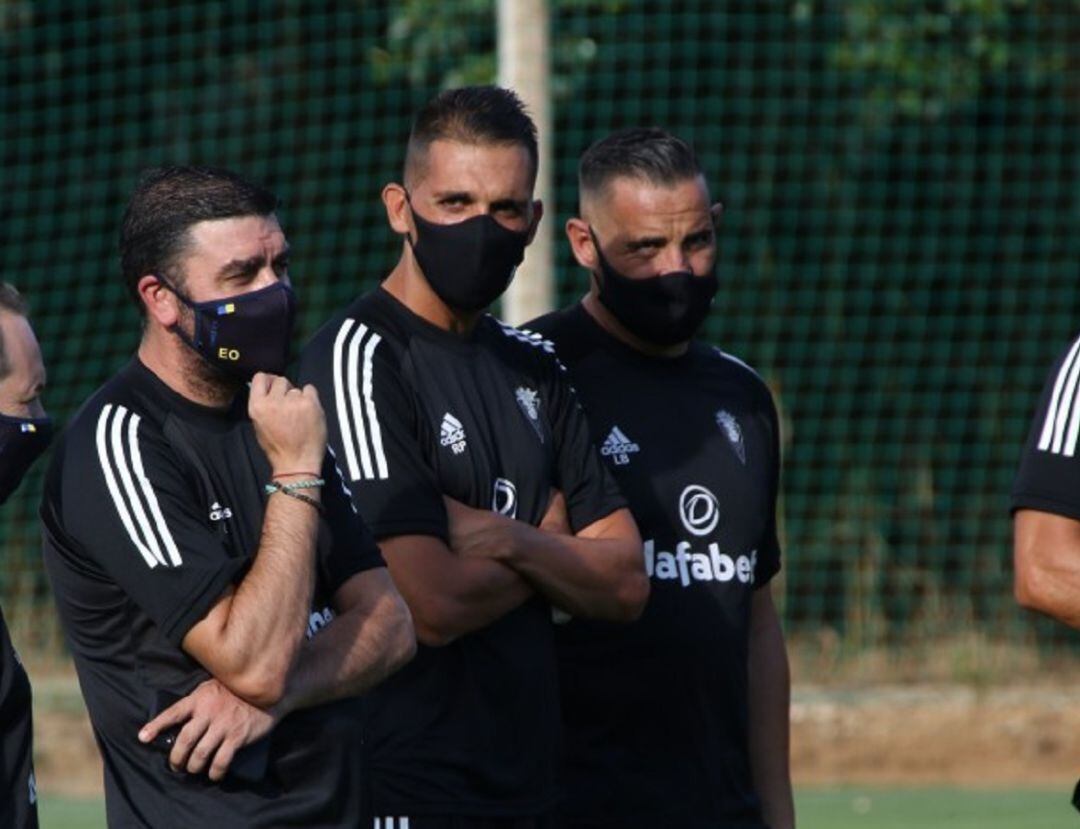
(528, 401)
(452, 434)
(733, 431)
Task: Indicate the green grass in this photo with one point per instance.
(868, 808)
(71, 813)
(847, 808)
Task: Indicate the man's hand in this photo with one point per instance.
(479, 533)
(216, 724)
(289, 424)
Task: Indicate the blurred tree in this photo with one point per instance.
(927, 58)
(436, 43)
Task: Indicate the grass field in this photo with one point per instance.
(848, 808)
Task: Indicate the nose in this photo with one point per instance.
(674, 258)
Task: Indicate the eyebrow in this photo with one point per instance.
(646, 241)
(249, 264)
(453, 194)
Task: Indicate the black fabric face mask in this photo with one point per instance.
(469, 264)
(22, 440)
(663, 310)
(246, 333)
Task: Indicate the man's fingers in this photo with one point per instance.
(223, 758)
(186, 740)
(260, 384)
(205, 749)
(174, 715)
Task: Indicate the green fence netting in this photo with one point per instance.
(900, 250)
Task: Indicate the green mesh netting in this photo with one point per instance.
(900, 252)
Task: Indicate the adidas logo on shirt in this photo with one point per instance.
(618, 447)
(452, 434)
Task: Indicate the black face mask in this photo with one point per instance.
(663, 310)
(469, 264)
(22, 440)
(244, 334)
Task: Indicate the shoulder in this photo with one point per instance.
(361, 331)
(567, 330)
(525, 342)
(742, 374)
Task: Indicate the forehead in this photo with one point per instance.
(635, 204)
(496, 169)
(235, 238)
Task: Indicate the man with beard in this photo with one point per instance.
(200, 542)
(461, 438)
(680, 719)
(25, 433)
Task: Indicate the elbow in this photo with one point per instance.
(263, 686)
(631, 597)
(434, 623)
(1029, 589)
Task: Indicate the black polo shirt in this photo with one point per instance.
(656, 712)
(153, 504)
(490, 420)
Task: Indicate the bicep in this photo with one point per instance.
(618, 525)
(1041, 538)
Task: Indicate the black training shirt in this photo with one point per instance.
(1049, 475)
(655, 712)
(153, 504)
(18, 791)
(417, 413)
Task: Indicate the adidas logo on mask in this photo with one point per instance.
(452, 434)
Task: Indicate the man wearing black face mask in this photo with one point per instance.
(450, 426)
(25, 433)
(691, 434)
(223, 601)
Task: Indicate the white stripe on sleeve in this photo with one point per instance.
(373, 418)
(110, 481)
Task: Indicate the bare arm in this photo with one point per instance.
(371, 638)
(250, 638)
(450, 596)
(770, 718)
(1046, 559)
(597, 573)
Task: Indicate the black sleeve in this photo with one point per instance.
(352, 548)
(590, 489)
(768, 558)
(1049, 476)
(374, 432)
(128, 505)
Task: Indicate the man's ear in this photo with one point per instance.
(162, 305)
(396, 201)
(717, 213)
(537, 215)
(582, 243)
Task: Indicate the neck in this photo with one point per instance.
(406, 283)
(606, 320)
(184, 371)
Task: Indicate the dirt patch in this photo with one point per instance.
(1015, 737)
(894, 736)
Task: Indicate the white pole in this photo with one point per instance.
(525, 66)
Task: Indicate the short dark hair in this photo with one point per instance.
(473, 115)
(648, 153)
(10, 300)
(167, 202)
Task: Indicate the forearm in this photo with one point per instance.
(256, 635)
(355, 653)
(769, 726)
(477, 593)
